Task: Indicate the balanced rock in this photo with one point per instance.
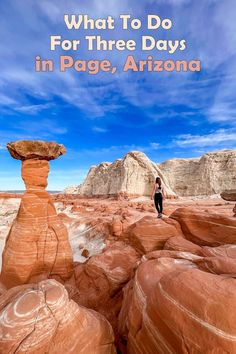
(37, 246)
(40, 318)
(35, 149)
(206, 229)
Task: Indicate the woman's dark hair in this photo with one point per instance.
(158, 181)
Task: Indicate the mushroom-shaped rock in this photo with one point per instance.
(40, 318)
(35, 149)
(37, 246)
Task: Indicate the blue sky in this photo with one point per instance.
(101, 117)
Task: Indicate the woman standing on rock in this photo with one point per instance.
(158, 194)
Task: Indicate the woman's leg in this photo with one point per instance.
(161, 204)
(156, 200)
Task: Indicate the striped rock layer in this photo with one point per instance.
(40, 318)
(37, 246)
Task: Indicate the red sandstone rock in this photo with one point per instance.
(40, 318)
(117, 227)
(149, 234)
(172, 307)
(217, 265)
(100, 280)
(206, 228)
(170, 254)
(180, 244)
(37, 246)
(228, 251)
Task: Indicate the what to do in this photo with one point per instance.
(99, 43)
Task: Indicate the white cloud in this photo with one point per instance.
(99, 130)
(213, 139)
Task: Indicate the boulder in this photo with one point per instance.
(206, 229)
(181, 244)
(40, 318)
(35, 149)
(173, 307)
(229, 195)
(149, 233)
(101, 279)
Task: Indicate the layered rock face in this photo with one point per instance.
(173, 307)
(100, 280)
(211, 174)
(40, 318)
(37, 245)
(134, 174)
(206, 229)
(182, 298)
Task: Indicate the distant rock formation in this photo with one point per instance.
(40, 318)
(208, 175)
(72, 190)
(37, 246)
(135, 174)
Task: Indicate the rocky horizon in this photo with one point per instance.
(135, 173)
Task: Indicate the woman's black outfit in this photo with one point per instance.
(158, 199)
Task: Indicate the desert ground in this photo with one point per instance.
(105, 275)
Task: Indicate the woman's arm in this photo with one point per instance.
(153, 190)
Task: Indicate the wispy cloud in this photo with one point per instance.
(99, 130)
(213, 139)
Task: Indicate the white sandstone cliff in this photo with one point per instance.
(134, 175)
(211, 174)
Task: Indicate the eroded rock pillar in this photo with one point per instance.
(37, 246)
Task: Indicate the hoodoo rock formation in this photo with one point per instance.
(37, 246)
(40, 318)
(135, 174)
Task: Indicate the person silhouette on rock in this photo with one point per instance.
(158, 194)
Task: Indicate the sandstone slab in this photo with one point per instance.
(149, 233)
(206, 229)
(35, 149)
